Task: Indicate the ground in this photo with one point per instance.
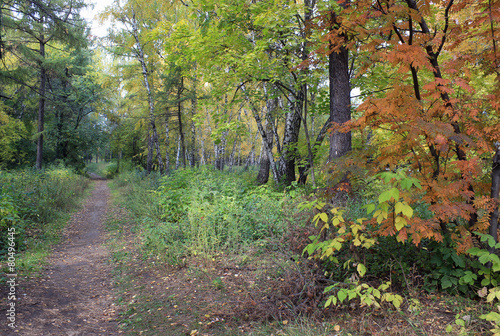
(74, 294)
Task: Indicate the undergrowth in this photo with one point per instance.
(202, 212)
(36, 205)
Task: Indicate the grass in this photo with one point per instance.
(262, 286)
(38, 205)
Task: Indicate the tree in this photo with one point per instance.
(429, 117)
(38, 23)
(133, 40)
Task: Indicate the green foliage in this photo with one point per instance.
(31, 199)
(384, 244)
(201, 212)
(489, 267)
(489, 270)
(9, 220)
(11, 131)
(366, 294)
(111, 170)
(219, 211)
(448, 270)
(352, 234)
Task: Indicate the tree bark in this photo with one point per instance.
(167, 142)
(193, 155)
(286, 169)
(41, 105)
(179, 117)
(251, 155)
(149, 160)
(178, 156)
(145, 73)
(495, 188)
(340, 99)
(265, 163)
(303, 171)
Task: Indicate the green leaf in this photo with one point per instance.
(460, 262)
(342, 295)
(368, 300)
(491, 316)
(417, 184)
(385, 196)
(398, 207)
(406, 184)
(369, 208)
(324, 217)
(446, 282)
(485, 282)
(397, 300)
(407, 211)
(484, 258)
(385, 209)
(474, 251)
(329, 301)
(361, 269)
(394, 193)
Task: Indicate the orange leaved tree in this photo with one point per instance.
(430, 75)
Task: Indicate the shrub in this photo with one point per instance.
(30, 199)
(201, 211)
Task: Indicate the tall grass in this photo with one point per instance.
(201, 211)
(35, 204)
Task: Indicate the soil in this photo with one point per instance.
(74, 294)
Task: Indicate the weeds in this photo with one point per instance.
(36, 204)
(201, 212)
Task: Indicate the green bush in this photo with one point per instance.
(30, 199)
(219, 211)
(111, 170)
(201, 211)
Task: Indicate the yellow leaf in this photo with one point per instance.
(400, 223)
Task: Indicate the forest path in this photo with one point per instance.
(74, 294)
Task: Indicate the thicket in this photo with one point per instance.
(339, 253)
(31, 201)
(203, 212)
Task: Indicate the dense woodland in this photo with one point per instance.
(384, 115)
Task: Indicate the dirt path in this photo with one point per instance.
(74, 295)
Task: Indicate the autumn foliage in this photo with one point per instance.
(429, 73)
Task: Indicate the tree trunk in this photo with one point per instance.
(178, 156)
(340, 100)
(167, 141)
(252, 152)
(41, 105)
(193, 155)
(149, 162)
(265, 164)
(145, 73)
(203, 154)
(303, 171)
(179, 117)
(239, 154)
(495, 188)
(286, 170)
(220, 152)
(220, 148)
(231, 157)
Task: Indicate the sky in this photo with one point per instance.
(90, 13)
